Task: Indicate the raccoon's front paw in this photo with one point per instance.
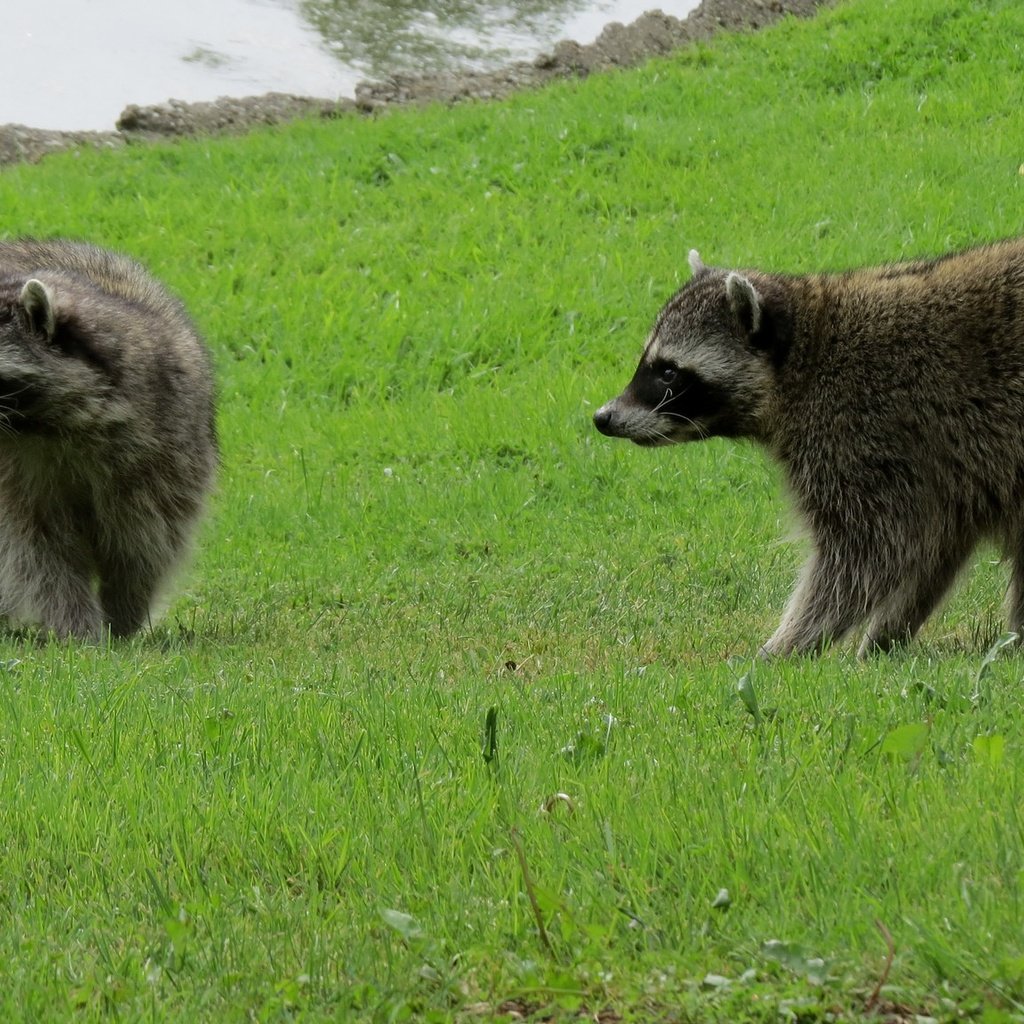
(882, 643)
(775, 646)
(779, 644)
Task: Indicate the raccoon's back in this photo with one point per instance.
(910, 380)
(112, 272)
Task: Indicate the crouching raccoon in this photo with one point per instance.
(107, 440)
(892, 397)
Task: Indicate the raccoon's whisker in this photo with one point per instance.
(14, 394)
(693, 423)
(7, 415)
(666, 399)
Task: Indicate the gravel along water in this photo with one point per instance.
(74, 65)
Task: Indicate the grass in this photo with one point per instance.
(455, 717)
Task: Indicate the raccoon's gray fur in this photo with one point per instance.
(893, 398)
(107, 440)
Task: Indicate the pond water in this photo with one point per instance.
(75, 64)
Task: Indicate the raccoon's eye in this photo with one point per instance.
(668, 374)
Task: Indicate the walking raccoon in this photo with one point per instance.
(107, 439)
(893, 398)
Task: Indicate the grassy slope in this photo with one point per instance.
(413, 319)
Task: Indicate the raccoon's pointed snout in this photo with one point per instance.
(610, 419)
(602, 418)
(620, 418)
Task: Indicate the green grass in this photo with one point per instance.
(277, 806)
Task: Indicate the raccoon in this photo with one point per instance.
(108, 445)
(893, 399)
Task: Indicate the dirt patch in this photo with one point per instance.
(618, 46)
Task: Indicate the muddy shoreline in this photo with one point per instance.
(618, 46)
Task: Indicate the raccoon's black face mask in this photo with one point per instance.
(666, 404)
(53, 374)
(706, 370)
(26, 325)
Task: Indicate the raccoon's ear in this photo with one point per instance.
(37, 301)
(744, 302)
(696, 263)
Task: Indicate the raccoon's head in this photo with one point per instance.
(53, 373)
(709, 366)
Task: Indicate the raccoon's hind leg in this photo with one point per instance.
(899, 617)
(827, 603)
(128, 588)
(1015, 601)
(136, 555)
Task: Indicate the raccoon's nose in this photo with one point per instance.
(603, 419)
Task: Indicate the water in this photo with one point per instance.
(75, 64)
